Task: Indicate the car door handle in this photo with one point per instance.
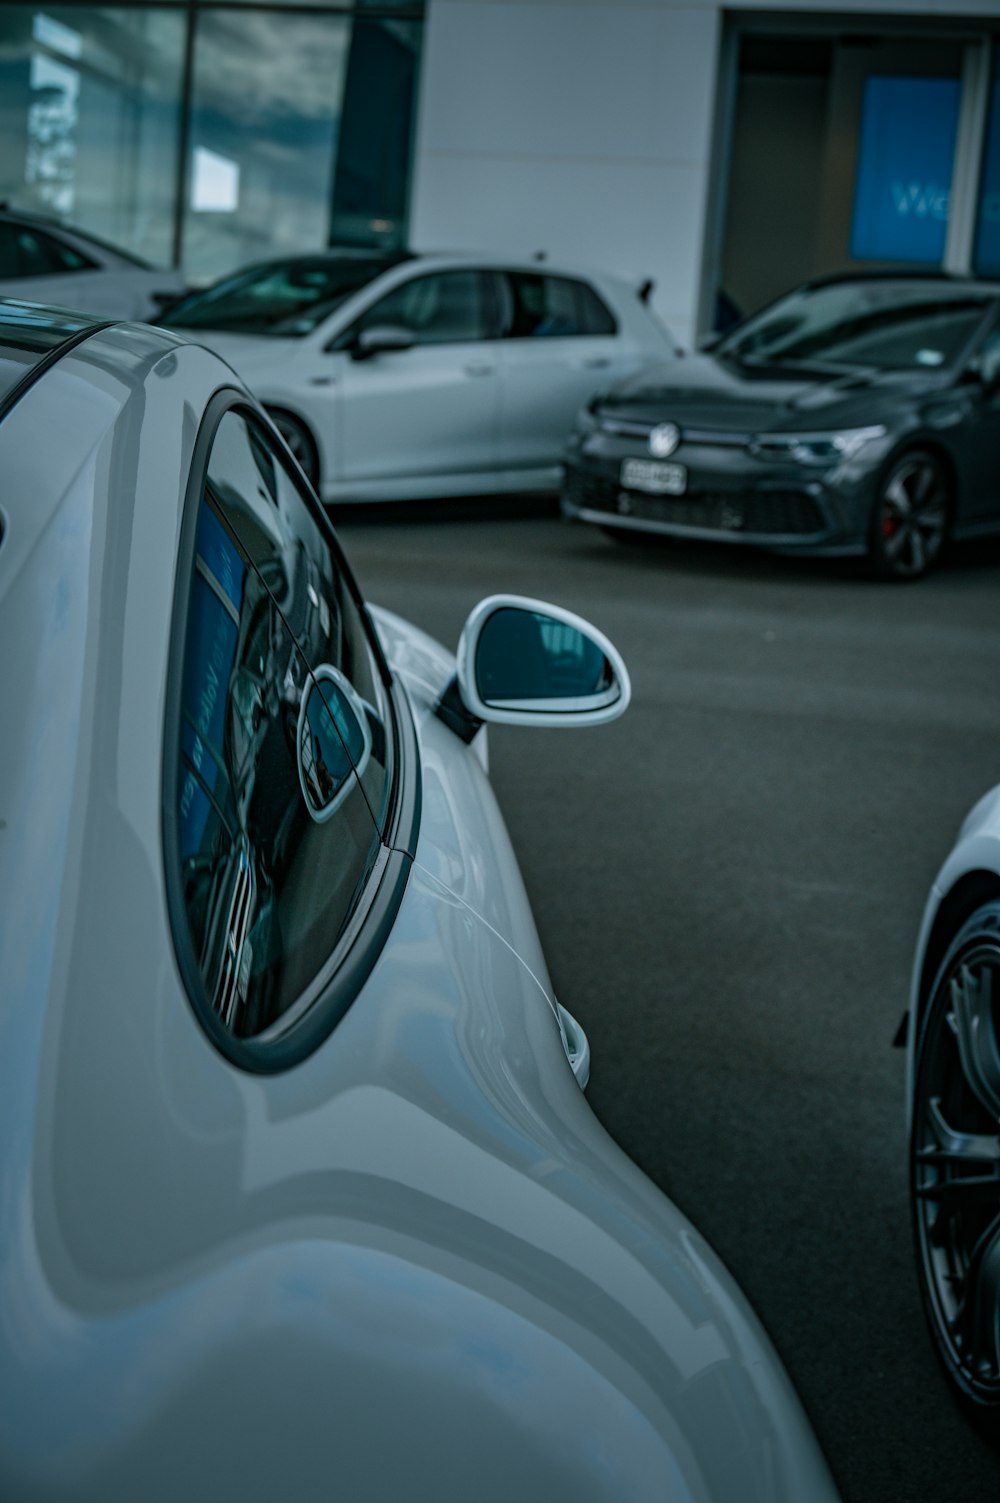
(479, 368)
(596, 363)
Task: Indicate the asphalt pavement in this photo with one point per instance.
(728, 883)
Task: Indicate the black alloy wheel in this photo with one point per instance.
(300, 441)
(955, 1164)
(910, 520)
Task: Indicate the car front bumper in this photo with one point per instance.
(779, 507)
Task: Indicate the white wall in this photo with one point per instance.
(581, 129)
(584, 128)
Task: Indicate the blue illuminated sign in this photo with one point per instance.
(903, 181)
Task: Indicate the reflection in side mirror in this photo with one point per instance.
(334, 741)
(524, 662)
(381, 339)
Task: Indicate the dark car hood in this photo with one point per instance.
(710, 392)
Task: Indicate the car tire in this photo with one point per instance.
(300, 441)
(955, 1164)
(911, 516)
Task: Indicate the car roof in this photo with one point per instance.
(32, 338)
(957, 281)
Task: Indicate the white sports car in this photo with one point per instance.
(423, 376)
(300, 1195)
(44, 260)
(953, 1036)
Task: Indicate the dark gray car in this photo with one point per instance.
(855, 416)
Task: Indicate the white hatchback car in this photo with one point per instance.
(424, 376)
(953, 1036)
(46, 261)
(299, 1191)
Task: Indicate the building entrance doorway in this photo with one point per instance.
(843, 156)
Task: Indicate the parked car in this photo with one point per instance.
(855, 416)
(43, 260)
(424, 376)
(299, 1186)
(953, 1099)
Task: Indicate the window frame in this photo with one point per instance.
(312, 1017)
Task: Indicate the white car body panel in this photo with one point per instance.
(124, 292)
(441, 420)
(411, 1266)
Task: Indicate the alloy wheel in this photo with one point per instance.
(955, 1161)
(910, 523)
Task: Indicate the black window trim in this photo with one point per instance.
(313, 1017)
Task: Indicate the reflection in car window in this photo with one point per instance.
(886, 324)
(539, 307)
(445, 308)
(270, 880)
(263, 505)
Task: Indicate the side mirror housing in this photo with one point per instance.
(525, 662)
(381, 339)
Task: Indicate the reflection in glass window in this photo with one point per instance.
(90, 118)
(267, 88)
(269, 887)
(287, 545)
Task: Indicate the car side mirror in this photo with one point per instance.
(381, 339)
(525, 662)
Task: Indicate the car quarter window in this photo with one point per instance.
(284, 743)
(538, 306)
(441, 308)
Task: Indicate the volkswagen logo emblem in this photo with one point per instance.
(663, 440)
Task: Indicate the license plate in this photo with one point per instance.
(654, 476)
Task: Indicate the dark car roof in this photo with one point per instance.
(31, 339)
(959, 281)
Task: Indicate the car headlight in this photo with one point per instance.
(815, 448)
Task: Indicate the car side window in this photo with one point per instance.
(537, 306)
(595, 315)
(442, 308)
(39, 255)
(8, 251)
(283, 744)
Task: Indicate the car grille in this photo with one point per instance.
(762, 513)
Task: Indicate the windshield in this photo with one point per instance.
(280, 297)
(888, 325)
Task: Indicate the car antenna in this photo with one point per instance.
(645, 288)
(540, 256)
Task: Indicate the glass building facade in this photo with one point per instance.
(209, 135)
